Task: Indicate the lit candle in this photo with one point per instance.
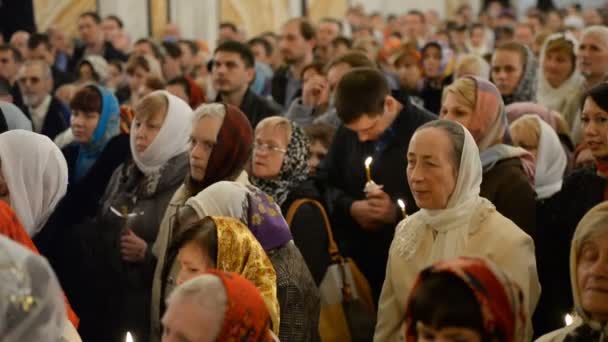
(129, 337)
(402, 206)
(568, 319)
(368, 163)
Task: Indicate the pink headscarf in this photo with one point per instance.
(519, 109)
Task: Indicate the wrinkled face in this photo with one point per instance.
(147, 130)
(34, 84)
(594, 122)
(507, 70)
(327, 32)
(409, 73)
(83, 125)
(446, 334)
(193, 261)
(269, 152)
(185, 321)
(455, 108)
(593, 56)
(229, 73)
(110, 29)
(431, 62)
(557, 67)
(8, 66)
(202, 141)
(316, 153)
(293, 46)
(89, 30)
(431, 172)
(592, 276)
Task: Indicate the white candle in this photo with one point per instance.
(568, 319)
(368, 163)
(402, 206)
(129, 337)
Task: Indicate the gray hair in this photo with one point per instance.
(207, 293)
(456, 135)
(601, 31)
(215, 110)
(46, 69)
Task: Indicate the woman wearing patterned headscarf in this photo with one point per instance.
(508, 172)
(280, 169)
(514, 72)
(472, 297)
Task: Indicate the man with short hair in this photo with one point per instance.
(327, 30)
(171, 62)
(262, 50)
(377, 125)
(297, 44)
(10, 62)
(19, 40)
(39, 47)
(228, 31)
(414, 27)
(48, 115)
(189, 51)
(94, 43)
(232, 73)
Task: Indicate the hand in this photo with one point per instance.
(132, 247)
(315, 91)
(382, 207)
(361, 212)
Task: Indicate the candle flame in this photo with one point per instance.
(401, 203)
(568, 319)
(129, 337)
(368, 161)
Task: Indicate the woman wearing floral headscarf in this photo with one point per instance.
(280, 169)
(508, 172)
(468, 297)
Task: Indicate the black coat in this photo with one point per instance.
(343, 176)
(60, 77)
(256, 108)
(558, 218)
(3, 125)
(56, 119)
(308, 229)
(279, 87)
(109, 53)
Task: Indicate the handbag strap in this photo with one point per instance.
(334, 252)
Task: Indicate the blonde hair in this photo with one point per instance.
(526, 128)
(150, 106)
(466, 88)
(473, 63)
(215, 110)
(276, 122)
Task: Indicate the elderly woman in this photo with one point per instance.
(444, 172)
(116, 244)
(221, 307)
(296, 289)
(211, 244)
(280, 169)
(588, 272)
(581, 190)
(508, 172)
(513, 70)
(465, 299)
(558, 78)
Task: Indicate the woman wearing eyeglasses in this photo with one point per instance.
(280, 169)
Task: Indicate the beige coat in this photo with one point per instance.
(496, 238)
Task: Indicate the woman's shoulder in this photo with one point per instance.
(494, 225)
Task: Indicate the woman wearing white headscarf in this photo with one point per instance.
(31, 304)
(35, 176)
(444, 172)
(117, 249)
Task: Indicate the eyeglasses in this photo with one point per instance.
(32, 80)
(268, 148)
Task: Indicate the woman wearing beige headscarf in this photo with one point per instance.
(444, 172)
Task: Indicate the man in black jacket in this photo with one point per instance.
(91, 34)
(232, 72)
(376, 125)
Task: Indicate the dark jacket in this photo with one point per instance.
(308, 229)
(431, 94)
(279, 87)
(506, 186)
(61, 77)
(56, 120)
(109, 53)
(557, 218)
(3, 125)
(256, 108)
(343, 176)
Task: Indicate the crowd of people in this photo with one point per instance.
(363, 178)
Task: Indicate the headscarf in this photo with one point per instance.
(518, 109)
(36, 174)
(555, 97)
(294, 170)
(107, 128)
(250, 261)
(15, 118)
(246, 203)
(551, 161)
(12, 229)
(172, 139)
(490, 129)
(100, 67)
(246, 317)
(195, 93)
(31, 306)
(594, 222)
(501, 300)
(452, 224)
(232, 151)
(526, 88)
